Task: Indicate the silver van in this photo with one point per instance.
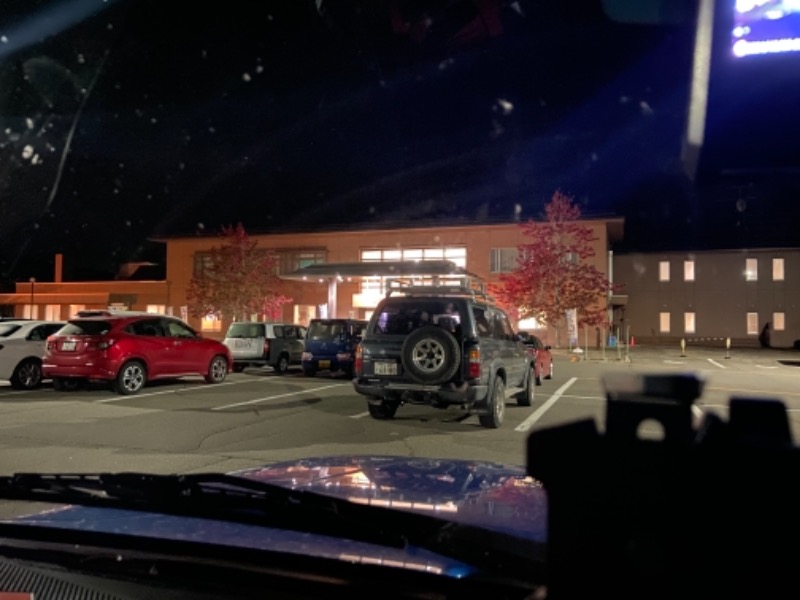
(278, 345)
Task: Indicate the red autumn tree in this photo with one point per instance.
(236, 279)
(553, 273)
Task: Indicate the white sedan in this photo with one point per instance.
(22, 345)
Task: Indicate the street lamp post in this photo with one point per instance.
(33, 281)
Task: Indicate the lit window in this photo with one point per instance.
(663, 270)
(457, 255)
(211, 323)
(688, 322)
(778, 321)
(663, 320)
(30, 311)
(502, 260)
(752, 323)
(688, 270)
(751, 269)
(777, 269)
(74, 309)
(368, 255)
(156, 309)
(52, 312)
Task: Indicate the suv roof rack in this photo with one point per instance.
(453, 286)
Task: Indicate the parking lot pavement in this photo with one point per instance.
(668, 355)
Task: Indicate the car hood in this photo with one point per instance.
(498, 497)
(493, 496)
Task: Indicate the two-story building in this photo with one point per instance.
(701, 297)
(485, 250)
(711, 295)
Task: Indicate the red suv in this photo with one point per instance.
(130, 349)
(541, 356)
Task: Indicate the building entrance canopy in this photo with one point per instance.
(333, 273)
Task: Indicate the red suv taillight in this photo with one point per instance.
(474, 370)
(266, 348)
(359, 362)
(104, 344)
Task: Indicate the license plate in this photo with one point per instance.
(242, 343)
(385, 368)
(68, 346)
(324, 364)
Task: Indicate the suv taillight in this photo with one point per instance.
(359, 362)
(474, 369)
(266, 348)
(105, 344)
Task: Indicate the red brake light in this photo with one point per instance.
(359, 362)
(474, 370)
(266, 348)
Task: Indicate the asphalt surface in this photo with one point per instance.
(257, 417)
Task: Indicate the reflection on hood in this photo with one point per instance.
(490, 495)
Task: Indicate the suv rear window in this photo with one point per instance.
(86, 328)
(326, 330)
(247, 330)
(402, 317)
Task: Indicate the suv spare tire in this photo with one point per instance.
(431, 355)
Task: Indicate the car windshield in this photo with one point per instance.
(6, 329)
(520, 198)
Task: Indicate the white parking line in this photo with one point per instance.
(360, 415)
(766, 366)
(529, 422)
(170, 391)
(268, 398)
(716, 364)
(675, 362)
(603, 398)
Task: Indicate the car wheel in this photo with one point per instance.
(27, 375)
(497, 405)
(217, 370)
(309, 371)
(383, 410)
(282, 365)
(526, 397)
(131, 378)
(67, 384)
(430, 355)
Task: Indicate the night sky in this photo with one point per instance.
(285, 116)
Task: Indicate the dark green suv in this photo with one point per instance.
(442, 346)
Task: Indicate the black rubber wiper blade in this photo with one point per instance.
(238, 499)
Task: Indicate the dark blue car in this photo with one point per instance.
(331, 345)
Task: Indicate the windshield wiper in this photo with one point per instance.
(237, 499)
